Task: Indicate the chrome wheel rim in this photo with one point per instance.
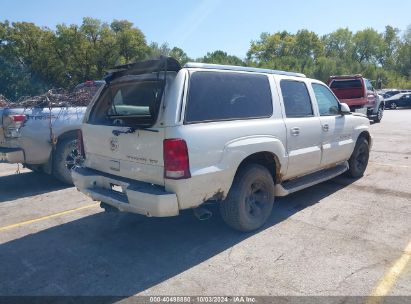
(72, 158)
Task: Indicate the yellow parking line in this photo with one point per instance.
(46, 217)
(389, 279)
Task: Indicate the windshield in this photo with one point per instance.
(129, 103)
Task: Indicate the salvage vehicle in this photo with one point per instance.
(398, 100)
(161, 138)
(359, 94)
(42, 138)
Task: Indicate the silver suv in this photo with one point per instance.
(160, 138)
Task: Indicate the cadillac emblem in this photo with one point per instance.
(113, 144)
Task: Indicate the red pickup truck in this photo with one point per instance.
(358, 93)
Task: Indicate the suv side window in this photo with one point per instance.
(215, 96)
(327, 103)
(368, 85)
(297, 101)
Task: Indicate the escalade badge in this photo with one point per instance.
(113, 144)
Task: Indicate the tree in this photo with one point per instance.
(130, 40)
(180, 55)
(159, 50)
(339, 44)
(220, 57)
(403, 65)
(368, 46)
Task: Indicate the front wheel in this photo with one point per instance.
(359, 159)
(380, 113)
(250, 200)
(393, 105)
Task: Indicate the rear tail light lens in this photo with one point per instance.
(18, 118)
(80, 144)
(12, 124)
(176, 162)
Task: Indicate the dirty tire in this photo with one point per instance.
(250, 200)
(380, 114)
(359, 159)
(64, 159)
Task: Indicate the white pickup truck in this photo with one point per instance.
(160, 138)
(41, 138)
(45, 138)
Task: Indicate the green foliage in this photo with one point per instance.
(220, 57)
(384, 56)
(35, 59)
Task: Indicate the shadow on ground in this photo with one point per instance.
(117, 254)
(27, 184)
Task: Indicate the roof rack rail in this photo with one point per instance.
(239, 68)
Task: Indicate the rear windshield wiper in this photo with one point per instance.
(132, 130)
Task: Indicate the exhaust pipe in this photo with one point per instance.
(202, 213)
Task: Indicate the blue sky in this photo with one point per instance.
(201, 26)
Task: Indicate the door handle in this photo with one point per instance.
(326, 127)
(295, 131)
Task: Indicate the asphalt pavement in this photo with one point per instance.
(343, 237)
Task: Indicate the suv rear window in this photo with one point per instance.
(343, 84)
(129, 103)
(215, 96)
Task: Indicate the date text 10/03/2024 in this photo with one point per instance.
(202, 299)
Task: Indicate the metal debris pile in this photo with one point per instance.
(58, 98)
(3, 101)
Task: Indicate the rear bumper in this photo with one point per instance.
(136, 197)
(11, 155)
(369, 111)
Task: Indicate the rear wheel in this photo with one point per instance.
(64, 159)
(359, 159)
(250, 200)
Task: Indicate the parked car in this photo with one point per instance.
(42, 138)
(399, 100)
(359, 94)
(161, 138)
(391, 93)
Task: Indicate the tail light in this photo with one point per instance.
(176, 162)
(18, 118)
(12, 124)
(80, 145)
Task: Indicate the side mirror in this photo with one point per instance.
(344, 109)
